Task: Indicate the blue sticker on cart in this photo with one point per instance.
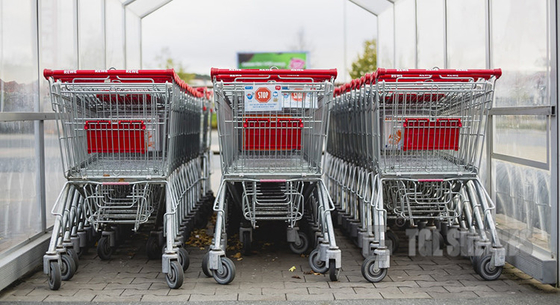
(248, 87)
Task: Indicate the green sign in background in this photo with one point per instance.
(281, 60)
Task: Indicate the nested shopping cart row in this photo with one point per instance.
(404, 149)
(135, 152)
(272, 125)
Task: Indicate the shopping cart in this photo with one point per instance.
(271, 127)
(405, 146)
(133, 156)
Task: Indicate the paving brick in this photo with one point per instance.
(454, 295)
(384, 284)
(439, 283)
(221, 297)
(70, 298)
(167, 298)
(272, 291)
(265, 297)
(346, 296)
(348, 290)
(309, 297)
(419, 295)
(115, 299)
(107, 292)
(362, 284)
(21, 298)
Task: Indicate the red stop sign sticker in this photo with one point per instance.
(262, 95)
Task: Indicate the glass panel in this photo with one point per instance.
(18, 56)
(519, 44)
(91, 34)
(18, 204)
(58, 41)
(430, 33)
(53, 168)
(133, 41)
(466, 34)
(115, 34)
(405, 32)
(386, 40)
(523, 205)
(523, 136)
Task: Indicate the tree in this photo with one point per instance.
(166, 62)
(367, 62)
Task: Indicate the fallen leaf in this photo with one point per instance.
(292, 269)
(296, 277)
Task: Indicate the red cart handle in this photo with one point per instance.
(124, 76)
(283, 75)
(442, 75)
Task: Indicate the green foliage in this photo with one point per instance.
(166, 62)
(366, 62)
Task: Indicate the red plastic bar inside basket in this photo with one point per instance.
(423, 134)
(266, 134)
(264, 75)
(442, 75)
(123, 76)
(104, 136)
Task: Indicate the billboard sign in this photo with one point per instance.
(280, 60)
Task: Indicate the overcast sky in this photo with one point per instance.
(209, 33)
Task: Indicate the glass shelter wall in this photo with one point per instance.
(519, 37)
(34, 35)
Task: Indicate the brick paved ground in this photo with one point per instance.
(265, 276)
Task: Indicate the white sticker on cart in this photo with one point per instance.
(263, 98)
(295, 99)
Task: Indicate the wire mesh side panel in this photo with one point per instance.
(283, 136)
(114, 130)
(431, 127)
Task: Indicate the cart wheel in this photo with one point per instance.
(372, 273)
(67, 268)
(486, 270)
(474, 262)
(82, 250)
(301, 247)
(315, 263)
(74, 255)
(184, 258)
(333, 271)
(401, 223)
(394, 239)
(246, 243)
(55, 278)
(205, 269)
(175, 275)
(227, 273)
(153, 251)
(104, 249)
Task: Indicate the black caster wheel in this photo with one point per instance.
(333, 271)
(68, 267)
(183, 258)
(104, 249)
(205, 269)
(227, 274)
(301, 246)
(55, 278)
(153, 250)
(372, 273)
(175, 275)
(486, 270)
(316, 264)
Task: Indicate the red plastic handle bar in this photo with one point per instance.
(284, 75)
(443, 75)
(125, 76)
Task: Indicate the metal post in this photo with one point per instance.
(554, 26)
(39, 132)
